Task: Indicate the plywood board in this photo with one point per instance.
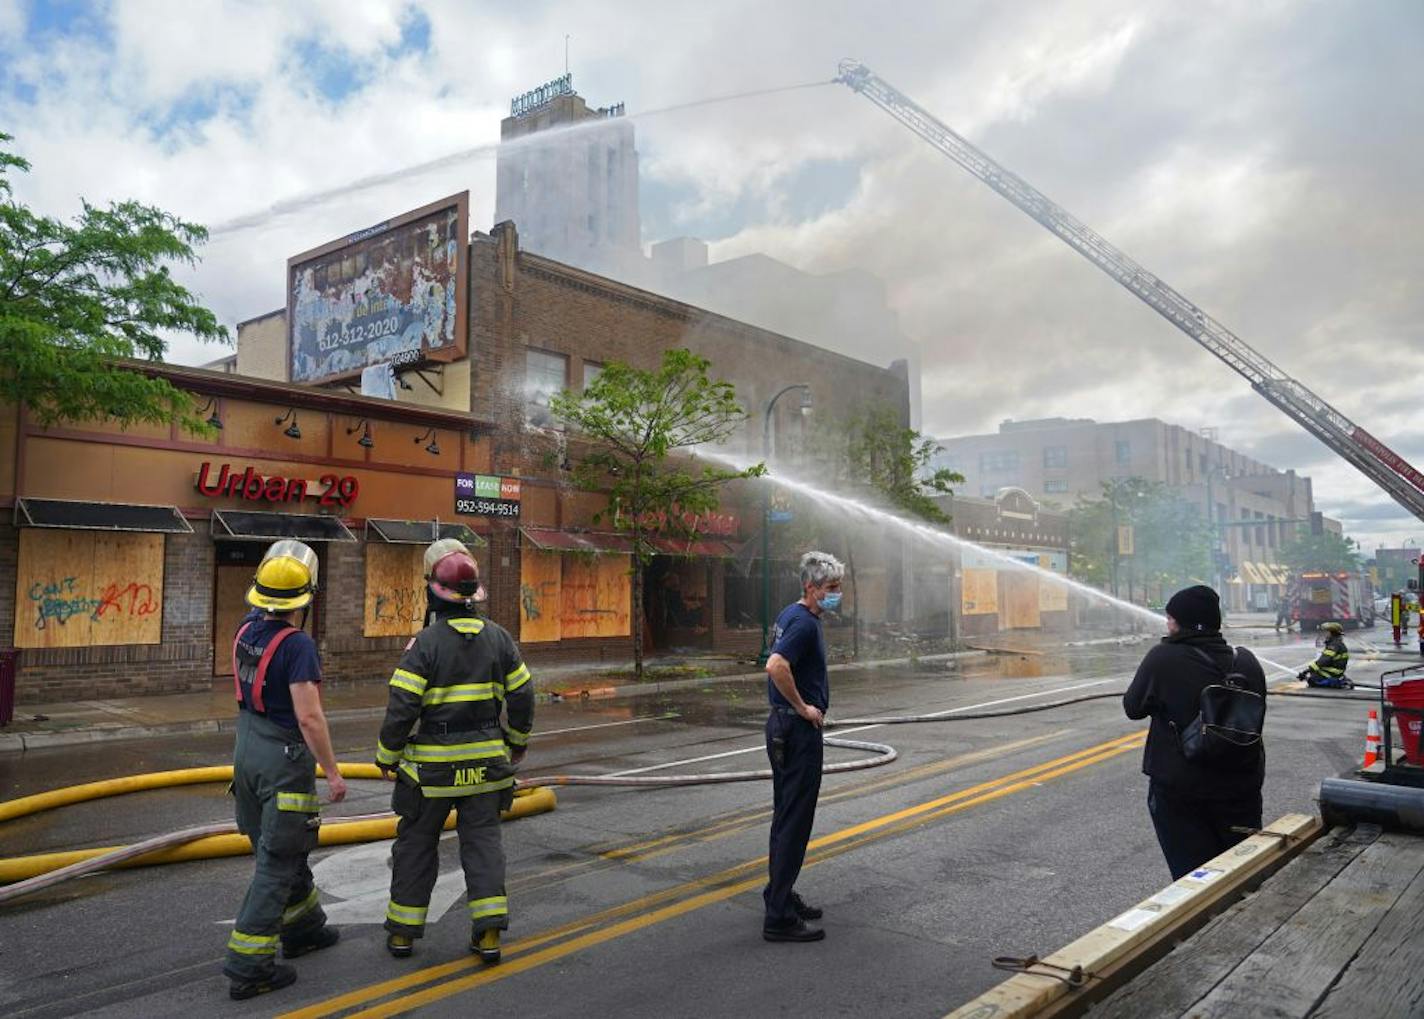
(395, 590)
(229, 606)
(614, 596)
(578, 616)
(1052, 597)
(979, 592)
(86, 588)
(540, 596)
(1018, 608)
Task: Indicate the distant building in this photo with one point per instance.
(1394, 569)
(573, 191)
(1060, 460)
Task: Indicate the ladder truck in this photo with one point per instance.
(1400, 480)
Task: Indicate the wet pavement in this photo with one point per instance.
(987, 837)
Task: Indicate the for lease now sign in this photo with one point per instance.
(486, 495)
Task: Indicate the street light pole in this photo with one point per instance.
(765, 651)
(1112, 499)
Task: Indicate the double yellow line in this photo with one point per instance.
(608, 925)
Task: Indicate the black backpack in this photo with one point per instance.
(1226, 734)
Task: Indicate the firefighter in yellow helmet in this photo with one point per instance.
(281, 737)
(1329, 669)
(455, 680)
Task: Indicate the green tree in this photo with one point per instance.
(1328, 552)
(872, 455)
(75, 298)
(634, 423)
(1172, 544)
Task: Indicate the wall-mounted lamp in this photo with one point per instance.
(213, 420)
(434, 448)
(291, 431)
(365, 442)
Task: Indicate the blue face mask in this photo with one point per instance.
(831, 600)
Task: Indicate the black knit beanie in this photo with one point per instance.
(1196, 609)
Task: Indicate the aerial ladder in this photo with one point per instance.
(1373, 458)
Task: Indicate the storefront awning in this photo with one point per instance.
(622, 544)
(100, 516)
(1252, 573)
(577, 541)
(252, 526)
(419, 532)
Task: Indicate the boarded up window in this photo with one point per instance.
(1018, 605)
(568, 596)
(540, 596)
(1052, 597)
(395, 590)
(88, 588)
(979, 592)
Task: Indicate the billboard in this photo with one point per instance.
(395, 292)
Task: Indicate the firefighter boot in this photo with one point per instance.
(400, 945)
(281, 976)
(324, 937)
(485, 944)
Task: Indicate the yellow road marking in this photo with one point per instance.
(706, 891)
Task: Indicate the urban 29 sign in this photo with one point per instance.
(483, 495)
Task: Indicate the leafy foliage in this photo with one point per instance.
(635, 422)
(74, 297)
(1172, 543)
(873, 451)
(1327, 552)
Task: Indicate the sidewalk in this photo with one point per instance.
(37, 726)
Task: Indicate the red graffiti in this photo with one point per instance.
(140, 600)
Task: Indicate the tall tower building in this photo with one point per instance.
(568, 178)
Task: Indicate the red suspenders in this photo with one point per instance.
(262, 664)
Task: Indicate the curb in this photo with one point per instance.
(19, 742)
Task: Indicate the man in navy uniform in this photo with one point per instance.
(800, 693)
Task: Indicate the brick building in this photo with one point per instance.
(129, 559)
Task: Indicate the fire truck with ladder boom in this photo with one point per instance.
(1403, 483)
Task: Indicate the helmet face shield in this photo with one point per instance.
(286, 579)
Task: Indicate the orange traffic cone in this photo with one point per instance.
(1372, 740)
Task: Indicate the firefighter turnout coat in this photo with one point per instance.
(1329, 668)
(456, 679)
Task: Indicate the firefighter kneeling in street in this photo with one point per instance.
(1329, 669)
(454, 678)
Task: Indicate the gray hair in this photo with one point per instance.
(820, 568)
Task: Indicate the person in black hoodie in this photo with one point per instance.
(1193, 807)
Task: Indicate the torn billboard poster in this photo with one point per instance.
(392, 292)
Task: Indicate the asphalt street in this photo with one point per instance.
(993, 837)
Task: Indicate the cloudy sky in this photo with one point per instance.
(1264, 157)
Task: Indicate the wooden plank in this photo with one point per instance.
(540, 596)
(1201, 962)
(1293, 968)
(1219, 880)
(979, 592)
(82, 588)
(1387, 977)
(613, 596)
(128, 586)
(229, 606)
(578, 615)
(1018, 605)
(395, 590)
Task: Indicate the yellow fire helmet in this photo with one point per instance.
(1332, 627)
(285, 579)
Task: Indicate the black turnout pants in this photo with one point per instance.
(796, 752)
(1192, 830)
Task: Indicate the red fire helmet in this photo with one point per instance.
(455, 577)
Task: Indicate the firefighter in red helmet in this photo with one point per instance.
(458, 676)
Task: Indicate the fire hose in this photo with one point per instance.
(27, 875)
